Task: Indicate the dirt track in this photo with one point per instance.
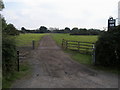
(52, 68)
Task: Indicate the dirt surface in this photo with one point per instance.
(52, 68)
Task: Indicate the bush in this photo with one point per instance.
(11, 30)
(108, 48)
(8, 55)
(8, 49)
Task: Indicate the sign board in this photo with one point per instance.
(111, 23)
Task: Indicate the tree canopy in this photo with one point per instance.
(1, 5)
(43, 29)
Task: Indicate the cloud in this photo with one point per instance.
(60, 13)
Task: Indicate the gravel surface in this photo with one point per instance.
(52, 68)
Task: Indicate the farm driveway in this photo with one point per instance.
(52, 68)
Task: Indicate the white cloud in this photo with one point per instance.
(60, 13)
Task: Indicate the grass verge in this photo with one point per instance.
(87, 60)
(24, 70)
(81, 58)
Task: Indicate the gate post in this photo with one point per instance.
(18, 61)
(66, 44)
(62, 43)
(78, 46)
(33, 44)
(93, 55)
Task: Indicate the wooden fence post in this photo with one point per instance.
(33, 44)
(78, 46)
(18, 61)
(62, 43)
(66, 44)
(93, 55)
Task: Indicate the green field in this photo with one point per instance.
(82, 58)
(84, 38)
(26, 39)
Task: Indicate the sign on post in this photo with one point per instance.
(111, 23)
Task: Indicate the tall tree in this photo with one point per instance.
(67, 30)
(1, 5)
(11, 30)
(23, 30)
(75, 30)
(43, 29)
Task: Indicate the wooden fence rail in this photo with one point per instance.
(82, 47)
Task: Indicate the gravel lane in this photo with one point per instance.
(52, 68)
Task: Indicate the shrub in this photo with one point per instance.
(8, 55)
(108, 48)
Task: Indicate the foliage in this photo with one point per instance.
(67, 30)
(4, 25)
(1, 5)
(43, 29)
(23, 30)
(85, 31)
(81, 31)
(11, 30)
(74, 31)
(8, 29)
(108, 48)
(8, 55)
(8, 50)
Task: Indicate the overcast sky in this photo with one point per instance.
(32, 14)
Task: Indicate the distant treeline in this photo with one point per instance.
(74, 31)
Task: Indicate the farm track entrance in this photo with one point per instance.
(52, 68)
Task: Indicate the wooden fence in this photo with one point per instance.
(82, 47)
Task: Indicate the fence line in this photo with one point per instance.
(30, 45)
(22, 51)
(82, 47)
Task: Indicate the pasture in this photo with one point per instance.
(83, 38)
(82, 58)
(26, 39)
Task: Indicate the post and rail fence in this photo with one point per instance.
(82, 47)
